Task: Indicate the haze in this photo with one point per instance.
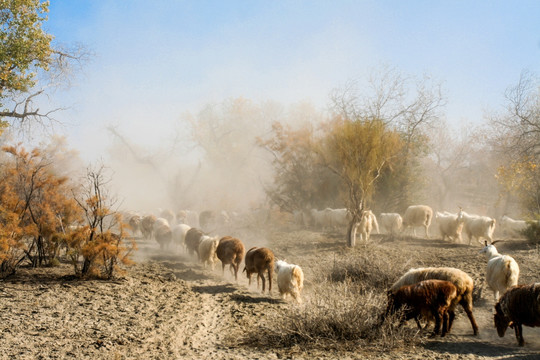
(156, 61)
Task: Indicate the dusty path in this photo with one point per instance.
(169, 307)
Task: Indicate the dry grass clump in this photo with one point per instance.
(342, 311)
(336, 315)
(372, 267)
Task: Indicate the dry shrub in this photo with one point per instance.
(337, 315)
(532, 232)
(343, 311)
(372, 267)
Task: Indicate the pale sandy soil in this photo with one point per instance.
(170, 307)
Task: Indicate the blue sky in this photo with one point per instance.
(155, 60)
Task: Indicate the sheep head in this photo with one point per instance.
(489, 250)
(501, 322)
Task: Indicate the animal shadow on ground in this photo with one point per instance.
(481, 349)
(255, 300)
(215, 289)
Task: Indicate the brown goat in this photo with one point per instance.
(257, 261)
(519, 305)
(193, 239)
(230, 251)
(433, 297)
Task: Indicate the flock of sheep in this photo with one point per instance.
(229, 250)
(428, 293)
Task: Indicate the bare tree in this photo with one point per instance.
(519, 126)
(409, 105)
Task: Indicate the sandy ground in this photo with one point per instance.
(170, 307)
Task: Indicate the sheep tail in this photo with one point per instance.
(428, 218)
(298, 277)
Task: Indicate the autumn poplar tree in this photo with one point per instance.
(358, 151)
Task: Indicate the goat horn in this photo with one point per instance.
(496, 241)
(485, 242)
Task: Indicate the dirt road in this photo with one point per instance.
(170, 307)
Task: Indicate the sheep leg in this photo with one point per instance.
(468, 311)
(445, 324)
(418, 323)
(269, 280)
(519, 334)
(263, 281)
(437, 329)
(235, 268)
(451, 316)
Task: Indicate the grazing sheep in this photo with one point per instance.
(318, 218)
(509, 226)
(502, 270)
(450, 226)
(433, 297)
(135, 224)
(290, 279)
(162, 233)
(168, 214)
(463, 282)
(478, 226)
(147, 226)
(179, 234)
(259, 260)
(230, 251)
(391, 222)
(207, 250)
(188, 217)
(336, 218)
(519, 305)
(417, 215)
(207, 220)
(192, 241)
(367, 223)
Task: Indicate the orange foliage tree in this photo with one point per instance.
(101, 245)
(37, 203)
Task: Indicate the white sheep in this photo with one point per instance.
(450, 225)
(336, 217)
(391, 222)
(318, 218)
(417, 215)
(367, 223)
(509, 226)
(290, 279)
(502, 271)
(179, 234)
(207, 250)
(479, 227)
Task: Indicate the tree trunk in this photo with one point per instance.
(351, 232)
